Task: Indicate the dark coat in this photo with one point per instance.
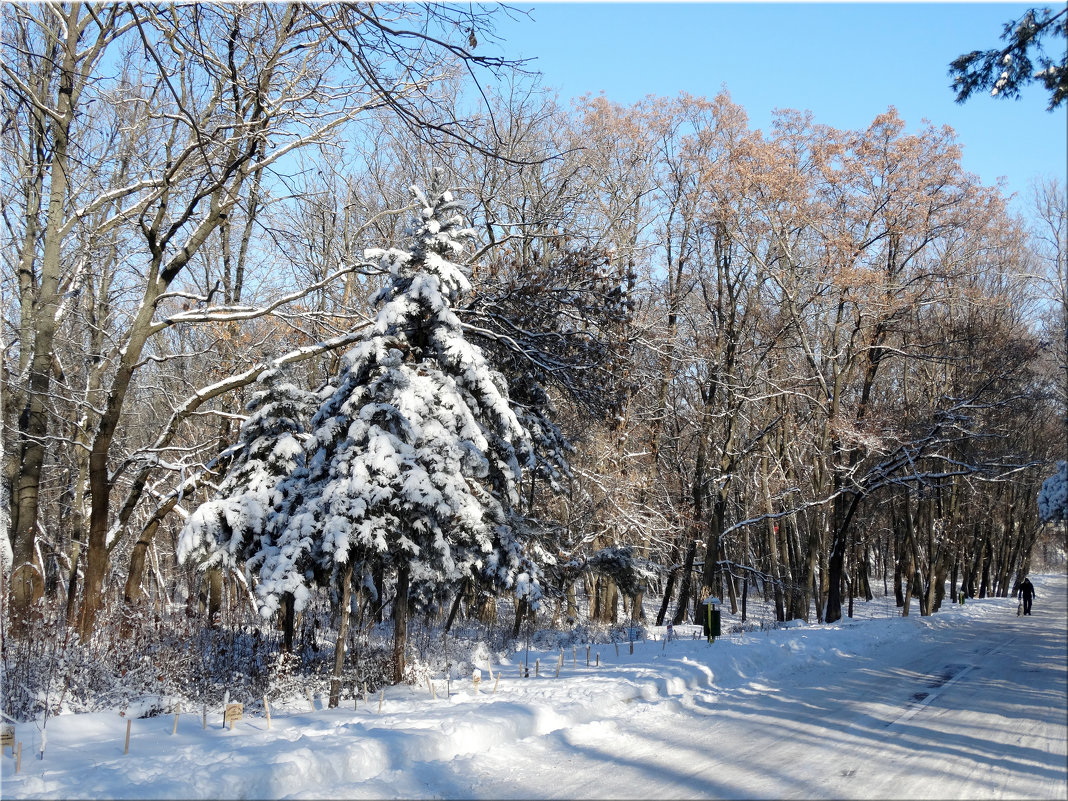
(1027, 589)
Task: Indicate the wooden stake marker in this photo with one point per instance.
(598, 659)
(587, 656)
(126, 748)
(233, 712)
(381, 696)
(537, 668)
(497, 681)
(177, 712)
(267, 711)
(18, 757)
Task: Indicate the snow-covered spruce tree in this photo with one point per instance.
(416, 457)
(1053, 497)
(225, 533)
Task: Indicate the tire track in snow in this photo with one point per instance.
(941, 684)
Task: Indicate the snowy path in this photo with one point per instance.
(969, 703)
(972, 709)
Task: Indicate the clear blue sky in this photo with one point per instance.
(845, 62)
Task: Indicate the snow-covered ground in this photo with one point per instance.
(969, 703)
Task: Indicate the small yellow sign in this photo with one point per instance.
(233, 713)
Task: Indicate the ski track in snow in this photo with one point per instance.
(971, 702)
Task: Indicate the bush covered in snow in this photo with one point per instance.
(1053, 497)
(146, 663)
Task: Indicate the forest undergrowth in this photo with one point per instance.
(146, 663)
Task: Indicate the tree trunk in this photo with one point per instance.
(455, 608)
(811, 581)
(637, 614)
(133, 593)
(820, 580)
(611, 604)
(596, 599)
(910, 588)
(400, 624)
(978, 547)
(732, 589)
(836, 565)
(44, 301)
(745, 597)
(790, 547)
(669, 587)
(899, 554)
(72, 583)
(214, 579)
(712, 575)
(487, 611)
(953, 577)
(772, 531)
(572, 604)
(520, 613)
(289, 621)
(984, 585)
(684, 590)
(96, 558)
(342, 637)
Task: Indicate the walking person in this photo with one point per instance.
(1026, 594)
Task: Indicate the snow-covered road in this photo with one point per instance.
(969, 707)
(969, 703)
